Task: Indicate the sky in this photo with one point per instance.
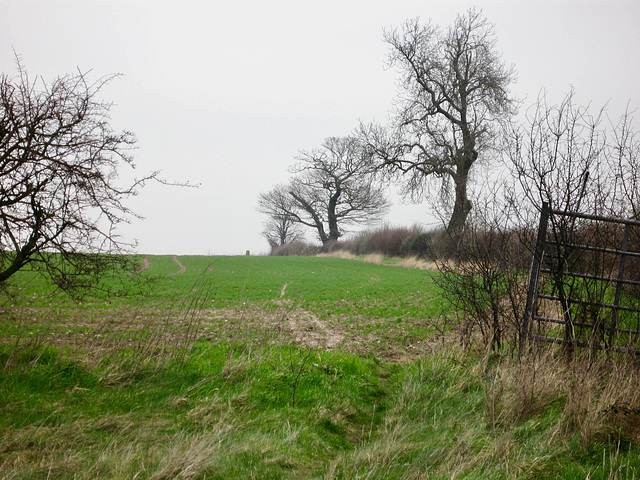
(225, 93)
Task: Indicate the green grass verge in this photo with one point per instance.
(281, 412)
(269, 411)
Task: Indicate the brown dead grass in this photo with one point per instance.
(600, 396)
(374, 258)
(344, 254)
(419, 263)
(521, 390)
(379, 259)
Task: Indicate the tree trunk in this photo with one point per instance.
(317, 222)
(321, 233)
(334, 232)
(461, 208)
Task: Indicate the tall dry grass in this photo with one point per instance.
(456, 417)
(417, 262)
(599, 396)
(378, 259)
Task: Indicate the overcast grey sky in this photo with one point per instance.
(225, 93)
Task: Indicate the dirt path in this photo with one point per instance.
(146, 265)
(182, 267)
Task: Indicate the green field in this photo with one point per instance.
(286, 368)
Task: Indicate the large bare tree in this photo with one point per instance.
(454, 95)
(333, 186)
(60, 199)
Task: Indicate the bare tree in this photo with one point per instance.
(455, 93)
(59, 161)
(334, 186)
(281, 226)
(553, 151)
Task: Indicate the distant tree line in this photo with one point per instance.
(333, 186)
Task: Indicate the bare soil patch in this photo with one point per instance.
(102, 330)
(291, 325)
(310, 332)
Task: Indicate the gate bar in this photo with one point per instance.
(587, 216)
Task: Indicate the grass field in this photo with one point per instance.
(289, 368)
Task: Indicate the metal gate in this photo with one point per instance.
(584, 283)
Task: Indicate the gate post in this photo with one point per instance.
(527, 319)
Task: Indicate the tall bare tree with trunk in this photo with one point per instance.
(454, 96)
(60, 200)
(333, 186)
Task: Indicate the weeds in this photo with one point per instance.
(26, 348)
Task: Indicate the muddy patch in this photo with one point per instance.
(145, 265)
(311, 332)
(296, 326)
(253, 325)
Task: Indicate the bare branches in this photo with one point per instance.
(560, 144)
(333, 186)
(59, 161)
(454, 93)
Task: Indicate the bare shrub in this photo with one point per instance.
(485, 280)
(61, 195)
(423, 245)
(295, 248)
(388, 241)
(391, 242)
(567, 159)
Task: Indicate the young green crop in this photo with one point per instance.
(224, 281)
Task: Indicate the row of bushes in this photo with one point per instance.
(387, 241)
